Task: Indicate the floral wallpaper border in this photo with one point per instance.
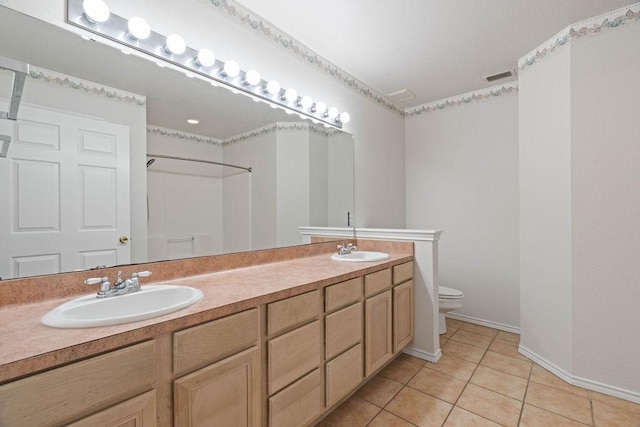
(595, 25)
(244, 16)
(465, 98)
(86, 86)
(321, 130)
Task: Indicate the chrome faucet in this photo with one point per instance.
(120, 287)
(346, 249)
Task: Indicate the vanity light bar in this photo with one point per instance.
(94, 16)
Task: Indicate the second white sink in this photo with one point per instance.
(151, 301)
(361, 256)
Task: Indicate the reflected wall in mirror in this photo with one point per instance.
(78, 191)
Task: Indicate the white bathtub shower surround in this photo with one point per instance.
(580, 202)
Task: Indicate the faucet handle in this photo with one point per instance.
(94, 280)
(142, 274)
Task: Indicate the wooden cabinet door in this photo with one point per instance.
(137, 412)
(402, 315)
(226, 393)
(378, 332)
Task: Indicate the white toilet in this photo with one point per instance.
(449, 299)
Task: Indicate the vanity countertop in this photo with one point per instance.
(27, 346)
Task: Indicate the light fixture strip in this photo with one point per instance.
(115, 29)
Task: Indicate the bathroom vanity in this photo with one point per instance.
(279, 339)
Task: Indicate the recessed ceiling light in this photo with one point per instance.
(193, 121)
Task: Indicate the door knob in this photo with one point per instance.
(123, 239)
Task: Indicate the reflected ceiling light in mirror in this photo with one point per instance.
(93, 16)
(138, 28)
(205, 58)
(231, 68)
(344, 117)
(193, 121)
(175, 44)
(333, 113)
(95, 11)
(252, 78)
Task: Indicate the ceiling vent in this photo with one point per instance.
(499, 76)
(401, 95)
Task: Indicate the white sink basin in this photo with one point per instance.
(151, 301)
(361, 256)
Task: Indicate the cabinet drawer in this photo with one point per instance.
(292, 355)
(342, 294)
(298, 404)
(402, 272)
(343, 329)
(61, 395)
(139, 411)
(377, 282)
(204, 344)
(344, 373)
(292, 312)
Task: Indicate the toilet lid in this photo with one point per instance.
(446, 292)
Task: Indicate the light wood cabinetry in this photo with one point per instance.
(402, 315)
(343, 329)
(342, 294)
(298, 404)
(139, 411)
(227, 390)
(226, 393)
(377, 282)
(344, 373)
(77, 390)
(378, 331)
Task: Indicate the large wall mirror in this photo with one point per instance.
(103, 168)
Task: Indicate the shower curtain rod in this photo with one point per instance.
(162, 156)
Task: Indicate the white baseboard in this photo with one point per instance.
(578, 381)
(481, 322)
(421, 354)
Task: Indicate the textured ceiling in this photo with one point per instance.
(434, 48)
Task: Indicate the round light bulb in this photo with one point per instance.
(345, 117)
(306, 102)
(175, 44)
(320, 108)
(95, 11)
(273, 87)
(138, 28)
(205, 58)
(290, 95)
(252, 77)
(333, 112)
(231, 68)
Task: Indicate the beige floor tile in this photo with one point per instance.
(453, 366)
(436, 384)
(355, 412)
(419, 408)
(615, 416)
(536, 417)
(506, 364)
(387, 419)
(461, 418)
(412, 359)
(482, 330)
(488, 404)
(463, 351)
(472, 338)
(454, 323)
(499, 382)
(614, 401)
(560, 402)
(443, 341)
(400, 370)
(379, 390)
(542, 376)
(508, 336)
(507, 348)
(450, 331)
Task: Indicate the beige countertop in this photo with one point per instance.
(27, 346)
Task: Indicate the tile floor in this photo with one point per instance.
(481, 380)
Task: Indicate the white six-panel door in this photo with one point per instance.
(64, 194)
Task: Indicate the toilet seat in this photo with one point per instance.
(445, 292)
